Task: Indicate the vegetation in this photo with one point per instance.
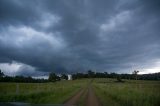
(130, 93)
(134, 76)
(56, 92)
(22, 79)
(64, 77)
(112, 89)
(53, 77)
(1, 73)
(135, 73)
(110, 92)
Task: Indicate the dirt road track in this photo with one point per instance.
(90, 100)
(73, 100)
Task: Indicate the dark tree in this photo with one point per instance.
(53, 77)
(113, 75)
(91, 74)
(64, 76)
(135, 73)
(1, 73)
(119, 78)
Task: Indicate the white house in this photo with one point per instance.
(69, 77)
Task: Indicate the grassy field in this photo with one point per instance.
(128, 93)
(55, 93)
(108, 91)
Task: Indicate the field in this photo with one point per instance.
(84, 92)
(129, 93)
(40, 93)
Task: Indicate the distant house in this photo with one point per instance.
(69, 77)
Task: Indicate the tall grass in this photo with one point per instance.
(129, 93)
(55, 93)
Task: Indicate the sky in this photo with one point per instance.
(68, 36)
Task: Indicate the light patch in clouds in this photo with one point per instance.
(10, 68)
(15, 68)
(47, 20)
(23, 35)
(150, 70)
(40, 77)
(115, 22)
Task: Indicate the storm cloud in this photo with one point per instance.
(68, 36)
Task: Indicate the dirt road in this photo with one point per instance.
(74, 100)
(90, 98)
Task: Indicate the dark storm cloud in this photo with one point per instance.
(18, 12)
(77, 35)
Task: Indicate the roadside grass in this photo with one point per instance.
(40, 93)
(129, 93)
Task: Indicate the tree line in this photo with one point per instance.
(133, 76)
(90, 74)
(52, 78)
(5, 78)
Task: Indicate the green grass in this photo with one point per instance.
(56, 93)
(109, 92)
(129, 93)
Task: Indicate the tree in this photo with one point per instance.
(113, 75)
(1, 73)
(91, 74)
(53, 77)
(64, 76)
(119, 79)
(135, 73)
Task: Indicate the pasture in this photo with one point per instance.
(128, 93)
(40, 93)
(107, 91)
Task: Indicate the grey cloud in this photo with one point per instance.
(129, 36)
